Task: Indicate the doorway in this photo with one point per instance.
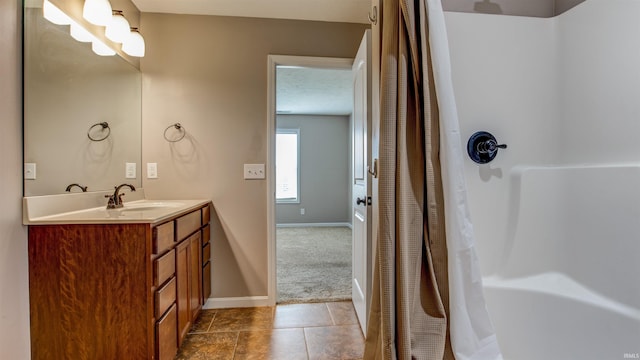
(310, 224)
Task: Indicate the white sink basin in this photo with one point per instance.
(145, 205)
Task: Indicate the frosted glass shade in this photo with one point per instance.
(79, 33)
(54, 15)
(134, 44)
(97, 12)
(101, 49)
(118, 29)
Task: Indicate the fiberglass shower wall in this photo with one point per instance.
(561, 203)
(562, 91)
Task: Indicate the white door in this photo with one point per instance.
(361, 195)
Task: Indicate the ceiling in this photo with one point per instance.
(353, 11)
(313, 91)
(298, 90)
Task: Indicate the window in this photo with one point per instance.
(288, 166)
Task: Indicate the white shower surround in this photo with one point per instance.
(557, 214)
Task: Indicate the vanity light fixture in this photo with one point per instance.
(97, 12)
(101, 48)
(79, 33)
(118, 28)
(55, 15)
(134, 45)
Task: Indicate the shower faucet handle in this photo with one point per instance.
(489, 146)
(482, 147)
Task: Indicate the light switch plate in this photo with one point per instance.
(130, 170)
(254, 171)
(152, 170)
(30, 171)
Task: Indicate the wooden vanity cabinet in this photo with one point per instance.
(116, 291)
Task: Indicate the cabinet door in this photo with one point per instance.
(183, 291)
(195, 280)
(206, 281)
(166, 335)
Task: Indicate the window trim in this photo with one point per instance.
(295, 131)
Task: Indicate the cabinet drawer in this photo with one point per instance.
(164, 268)
(206, 234)
(165, 297)
(206, 253)
(162, 237)
(206, 214)
(206, 281)
(167, 335)
(187, 224)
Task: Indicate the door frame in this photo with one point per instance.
(272, 62)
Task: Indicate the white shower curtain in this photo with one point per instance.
(472, 334)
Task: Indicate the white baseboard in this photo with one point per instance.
(314, 225)
(238, 302)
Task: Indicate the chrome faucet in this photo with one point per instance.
(83, 188)
(115, 200)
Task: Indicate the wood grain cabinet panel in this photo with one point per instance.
(206, 234)
(195, 275)
(115, 291)
(188, 224)
(206, 281)
(165, 297)
(164, 268)
(163, 237)
(166, 335)
(183, 291)
(206, 214)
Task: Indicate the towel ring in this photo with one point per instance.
(104, 125)
(180, 129)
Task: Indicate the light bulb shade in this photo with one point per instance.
(54, 15)
(134, 44)
(101, 48)
(79, 33)
(118, 29)
(97, 12)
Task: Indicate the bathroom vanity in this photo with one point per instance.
(118, 284)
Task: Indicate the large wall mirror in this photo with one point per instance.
(67, 90)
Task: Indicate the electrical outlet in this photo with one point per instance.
(254, 171)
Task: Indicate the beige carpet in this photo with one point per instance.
(314, 264)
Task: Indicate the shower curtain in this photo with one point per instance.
(427, 300)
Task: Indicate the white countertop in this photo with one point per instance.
(77, 209)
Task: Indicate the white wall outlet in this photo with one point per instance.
(130, 171)
(301, 211)
(30, 171)
(254, 171)
(152, 170)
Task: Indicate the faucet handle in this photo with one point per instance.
(111, 203)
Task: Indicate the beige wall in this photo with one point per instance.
(324, 170)
(14, 294)
(210, 74)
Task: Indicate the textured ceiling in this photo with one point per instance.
(313, 91)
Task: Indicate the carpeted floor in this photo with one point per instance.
(314, 264)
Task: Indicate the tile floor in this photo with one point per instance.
(285, 332)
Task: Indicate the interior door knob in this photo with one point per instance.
(361, 201)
